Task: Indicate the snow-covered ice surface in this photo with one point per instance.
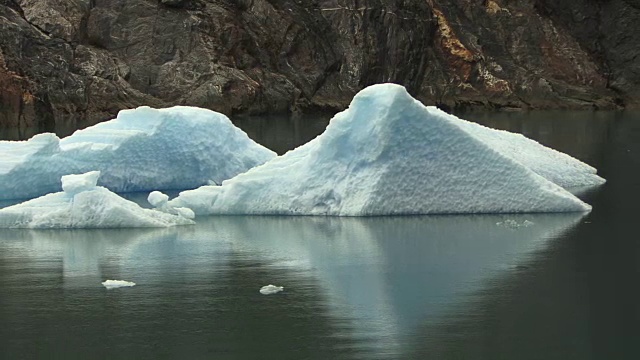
(551, 164)
(270, 289)
(160, 202)
(113, 284)
(388, 154)
(75, 184)
(83, 204)
(142, 149)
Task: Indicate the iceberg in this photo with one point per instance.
(160, 201)
(388, 154)
(270, 289)
(142, 149)
(83, 204)
(114, 284)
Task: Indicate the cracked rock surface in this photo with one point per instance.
(68, 62)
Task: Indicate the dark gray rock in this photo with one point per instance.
(80, 61)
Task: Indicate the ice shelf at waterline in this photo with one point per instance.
(82, 204)
(142, 149)
(388, 154)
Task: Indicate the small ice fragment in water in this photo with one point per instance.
(270, 289)
(112, 284)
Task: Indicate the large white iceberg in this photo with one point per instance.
(82, 204)
(389, 154)
(141, 150)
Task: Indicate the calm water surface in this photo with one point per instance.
(545, 286)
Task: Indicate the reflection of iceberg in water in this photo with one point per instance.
(389, 274)
(88, 255)
(435, 261)
(339, 252)
(380, 279)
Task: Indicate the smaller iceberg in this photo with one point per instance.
(83, 204)
(270, 289)
(143, 149)
(114, 284)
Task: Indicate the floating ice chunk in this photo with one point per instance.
(270, 289)
(113, 284)
(84, 205)
(141, 150)
(158, 199)
(73, 184)
(388, 154)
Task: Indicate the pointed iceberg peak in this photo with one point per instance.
(388, 154)
(374, 103)
(383, 93)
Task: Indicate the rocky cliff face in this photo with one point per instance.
(80, 61)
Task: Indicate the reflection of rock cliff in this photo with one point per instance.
(82, 60)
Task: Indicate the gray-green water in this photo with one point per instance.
(558, 286)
